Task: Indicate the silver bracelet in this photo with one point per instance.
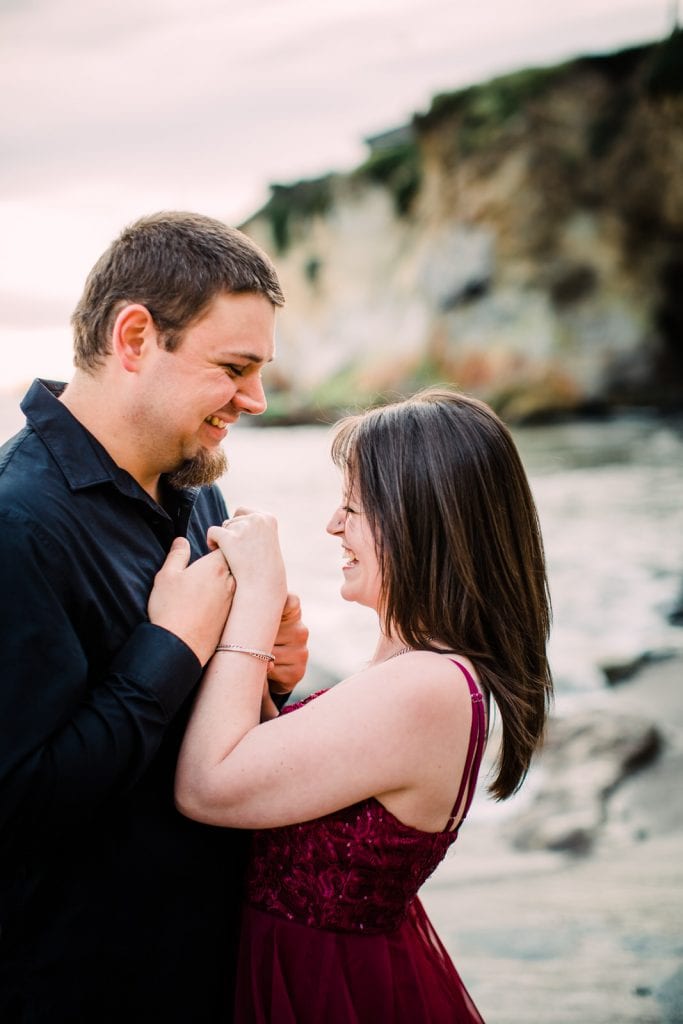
(261, 655)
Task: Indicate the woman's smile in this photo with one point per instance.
(350, 559)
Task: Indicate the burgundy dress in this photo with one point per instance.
(333, 931)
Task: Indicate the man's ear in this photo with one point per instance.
(134, 332)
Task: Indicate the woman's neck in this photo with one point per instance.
(388, 647)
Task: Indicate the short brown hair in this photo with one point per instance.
(460, 550)
(175, 264)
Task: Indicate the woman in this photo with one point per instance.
(358, 793)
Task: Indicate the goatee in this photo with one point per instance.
(200, 471)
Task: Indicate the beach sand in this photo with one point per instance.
(597, 938)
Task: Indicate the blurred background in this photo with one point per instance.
(487, 194)
(112, 110)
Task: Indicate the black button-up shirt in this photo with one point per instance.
(113, 905)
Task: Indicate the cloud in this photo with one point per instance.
(140, 88)
(112, 110)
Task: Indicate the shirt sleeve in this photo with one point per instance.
(68, 742)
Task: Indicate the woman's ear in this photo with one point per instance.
(134, 332)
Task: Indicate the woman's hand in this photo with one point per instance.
(250, 545)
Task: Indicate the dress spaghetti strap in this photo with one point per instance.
(475, 750)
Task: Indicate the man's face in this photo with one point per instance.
(190, 396)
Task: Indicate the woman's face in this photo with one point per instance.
(360, 567)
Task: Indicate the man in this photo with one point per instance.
(114, 907)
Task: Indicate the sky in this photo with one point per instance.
(116, 108)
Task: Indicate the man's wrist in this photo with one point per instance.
(278, 697)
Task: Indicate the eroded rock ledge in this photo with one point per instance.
(585, 758)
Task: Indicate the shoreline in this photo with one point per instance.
(544, 937)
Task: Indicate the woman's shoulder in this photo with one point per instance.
(441, 670)
(420, 693)
(420, 686)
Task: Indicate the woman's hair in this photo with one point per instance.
(175, 264)
(460, 550)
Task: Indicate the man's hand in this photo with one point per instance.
(290, 650)
(192, 601)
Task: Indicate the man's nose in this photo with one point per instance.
(250, 397)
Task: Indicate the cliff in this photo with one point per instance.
(521, 238)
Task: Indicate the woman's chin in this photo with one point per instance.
(351, 593)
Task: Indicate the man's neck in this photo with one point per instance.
(91, 402)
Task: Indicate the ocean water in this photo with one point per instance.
(610, 500)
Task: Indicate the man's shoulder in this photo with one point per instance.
(20, 458)
(8, 447)
(28, 476)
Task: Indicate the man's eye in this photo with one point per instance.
(235, 371)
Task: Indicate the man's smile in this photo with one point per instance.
(216, 421)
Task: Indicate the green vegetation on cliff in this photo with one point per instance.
(521, 238)
(399, 169)
(481, 110)
(477, 115)
(664, 73)
(301, 200)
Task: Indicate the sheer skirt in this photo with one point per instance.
(290, 973)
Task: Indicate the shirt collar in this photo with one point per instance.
(80, 456)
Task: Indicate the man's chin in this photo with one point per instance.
(202, 469)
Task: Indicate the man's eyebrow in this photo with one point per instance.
(226, 358)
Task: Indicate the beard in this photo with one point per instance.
(202, 469)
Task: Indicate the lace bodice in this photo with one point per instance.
(357, 869)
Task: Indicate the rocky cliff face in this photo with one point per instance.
(521, 238)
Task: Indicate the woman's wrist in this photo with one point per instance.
(252, 625)
(253, 652)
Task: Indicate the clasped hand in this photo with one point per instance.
(193, 601)
(250, 546)
(249, 542)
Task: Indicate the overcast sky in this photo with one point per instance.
(115, 108)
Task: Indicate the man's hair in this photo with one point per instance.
(175, 264)
(460, 550)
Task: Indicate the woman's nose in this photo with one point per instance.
(336, 523)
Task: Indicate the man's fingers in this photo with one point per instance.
(292, 609)
(241, 510)
(212, 536)
(293, 636)
(178, 556)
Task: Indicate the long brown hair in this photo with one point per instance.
(460, 550)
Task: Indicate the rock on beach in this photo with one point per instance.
(584, 760)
